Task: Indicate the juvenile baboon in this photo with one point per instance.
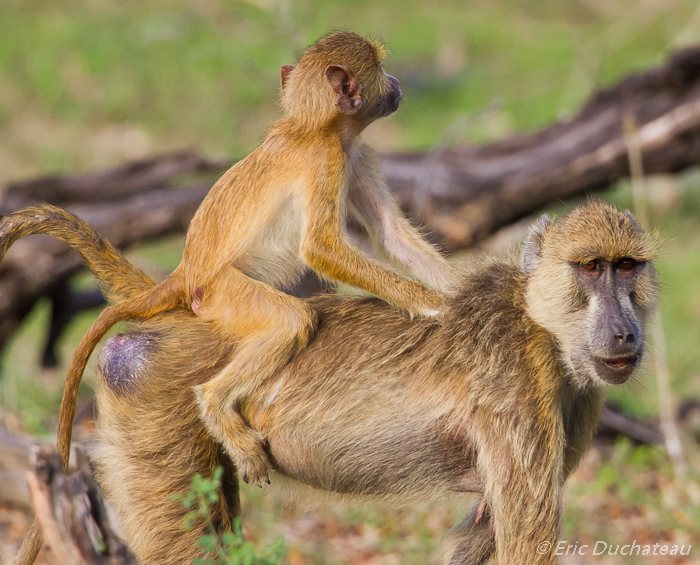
(272, 215)
(500, 397)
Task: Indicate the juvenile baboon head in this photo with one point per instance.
(592, 284)
(340, 74)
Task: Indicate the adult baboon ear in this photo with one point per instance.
(284, 72)
(633, 221)
(533, 245)
(343, 83)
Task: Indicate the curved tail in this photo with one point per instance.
(168, 295)
(119, 279)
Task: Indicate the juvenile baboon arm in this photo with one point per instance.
(392, 235)
(327, 251)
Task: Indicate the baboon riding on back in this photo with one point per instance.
(495, 390)
(501, 397)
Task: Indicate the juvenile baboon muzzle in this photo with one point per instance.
(393, 99)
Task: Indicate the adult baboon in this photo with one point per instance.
(501, 397)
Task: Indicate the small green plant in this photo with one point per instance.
(229, 548)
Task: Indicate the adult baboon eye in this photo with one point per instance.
(626, 263)
(590, 265)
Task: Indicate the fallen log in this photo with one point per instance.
(473, 191)
(131, 179)
(37, 264)
(462, 195)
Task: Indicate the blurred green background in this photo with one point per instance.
(88, 84)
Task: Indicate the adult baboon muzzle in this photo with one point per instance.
(616, 370)
(620, 347)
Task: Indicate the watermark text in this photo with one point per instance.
(604, 548)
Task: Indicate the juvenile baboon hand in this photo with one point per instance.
(433, 306)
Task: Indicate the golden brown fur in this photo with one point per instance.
(272, 215)
(384, 407)
(147, 431)
(281, 209)
(118, 278)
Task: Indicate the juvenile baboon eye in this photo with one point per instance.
(590, 265)
(626, 263)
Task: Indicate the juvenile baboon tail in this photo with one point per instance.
(168, 295)
(119, 279)
(142, 296)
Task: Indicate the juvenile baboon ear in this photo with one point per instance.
(284, 71)
(533, 245)
(343, 83)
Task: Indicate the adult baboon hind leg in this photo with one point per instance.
(152, 441)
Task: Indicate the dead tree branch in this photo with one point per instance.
(37, 264)
(474, 190)
(71, 514)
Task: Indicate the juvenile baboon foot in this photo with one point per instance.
(252, 464)
(242, 444)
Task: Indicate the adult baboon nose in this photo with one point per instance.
(623, 332)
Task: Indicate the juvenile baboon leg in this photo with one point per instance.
(267, 326)
(469, 542)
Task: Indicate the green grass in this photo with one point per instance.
(205, 73)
